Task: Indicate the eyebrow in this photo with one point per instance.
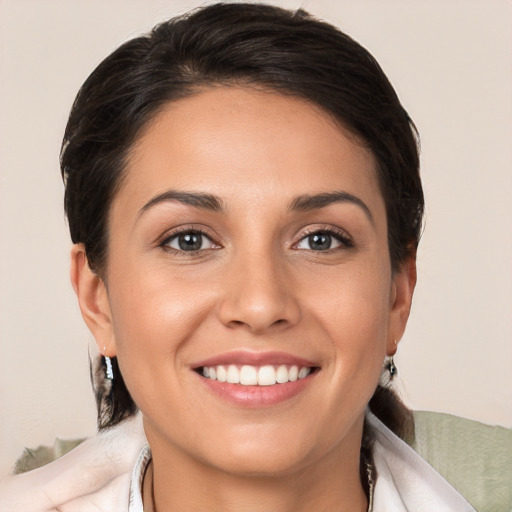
(302, 203)
(197, 199)
(307, 202)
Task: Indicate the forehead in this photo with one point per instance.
(244, 144)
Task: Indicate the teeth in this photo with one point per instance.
(266, 376)
(282, 374)
(247, 375)
(303, 372)
(233, 375)
(221, 373)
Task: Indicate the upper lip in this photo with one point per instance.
(242, 357)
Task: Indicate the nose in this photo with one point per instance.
(258, 295)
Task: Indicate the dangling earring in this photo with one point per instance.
(391, 366)
(392, 369)
(110, 372)
(108, 363)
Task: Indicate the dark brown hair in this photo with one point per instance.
(233, 44)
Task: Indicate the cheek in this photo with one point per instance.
(154, 316)
(355, 305)
(353, 311)
(156, 301)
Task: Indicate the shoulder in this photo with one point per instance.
(404, 481)
(474, 457)
(452, 457)
(93, 476)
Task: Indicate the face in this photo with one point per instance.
(248, 243)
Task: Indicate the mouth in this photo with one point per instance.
(250, 375)
(256, 379)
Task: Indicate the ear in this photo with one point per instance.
(92, 295)
(402, 289)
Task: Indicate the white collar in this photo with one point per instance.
(137, 478)
(405, 482)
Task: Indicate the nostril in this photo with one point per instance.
(240, 323)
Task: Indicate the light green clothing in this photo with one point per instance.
(475, 458)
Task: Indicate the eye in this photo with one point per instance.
(323, 241)
(189, 241)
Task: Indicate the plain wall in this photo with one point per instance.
(450, 62)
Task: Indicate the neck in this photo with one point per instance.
(174, 481)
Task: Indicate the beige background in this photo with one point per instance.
(451, 64)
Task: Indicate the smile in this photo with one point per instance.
(256, 379)
(248, 375)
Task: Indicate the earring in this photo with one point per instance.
(108, 363)
(392, 369)
(110, 371)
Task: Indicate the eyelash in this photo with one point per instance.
(184, 230)
(339, 235)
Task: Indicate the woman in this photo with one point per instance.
(243, 194)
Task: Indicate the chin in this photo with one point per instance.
(259, 465)
(262, 455)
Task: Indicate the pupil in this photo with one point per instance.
(320, 241)
(190, 242)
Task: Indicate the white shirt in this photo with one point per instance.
(105, 474)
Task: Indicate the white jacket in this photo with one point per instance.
(97, 476)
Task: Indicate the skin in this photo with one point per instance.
(257, 286)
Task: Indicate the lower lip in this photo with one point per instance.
(257, 396)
